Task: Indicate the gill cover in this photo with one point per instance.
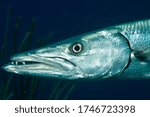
(120, 52)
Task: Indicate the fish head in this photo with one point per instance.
(86, 56)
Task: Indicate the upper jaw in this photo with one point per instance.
(35, 64)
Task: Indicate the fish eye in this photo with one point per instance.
(76, 48)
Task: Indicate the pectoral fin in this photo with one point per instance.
(143, 55)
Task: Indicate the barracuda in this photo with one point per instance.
(121, 51)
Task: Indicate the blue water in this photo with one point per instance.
(67, 18)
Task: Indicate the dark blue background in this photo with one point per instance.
(67, 18)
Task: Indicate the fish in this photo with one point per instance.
(119, 51)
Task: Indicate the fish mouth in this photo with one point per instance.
(32, 64)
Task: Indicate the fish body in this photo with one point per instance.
(121, 51)
(138, 35)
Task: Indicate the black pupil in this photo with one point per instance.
(77, 48)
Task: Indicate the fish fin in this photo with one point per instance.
(143, 55)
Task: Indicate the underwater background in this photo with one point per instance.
(29, 24)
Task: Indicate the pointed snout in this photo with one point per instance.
(47, 62)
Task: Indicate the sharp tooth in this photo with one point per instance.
(23, 63)
(16, 63)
